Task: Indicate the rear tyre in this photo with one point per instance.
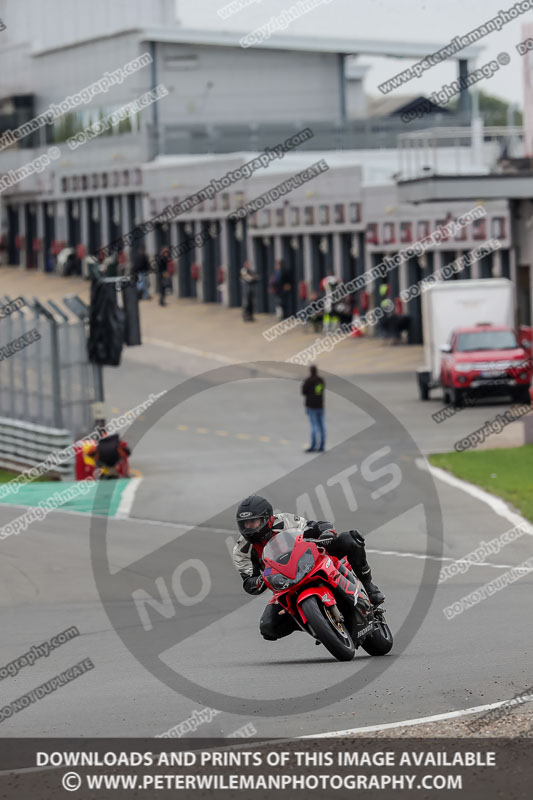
(521, 395)
(380, 641)
(333, 635)
(458, 398)
(423, 384)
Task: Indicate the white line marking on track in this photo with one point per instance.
(410, 722)
(498, 505)
(128, 496)
(192, 351)
(406, 723)
(190, 526)
(427, 557)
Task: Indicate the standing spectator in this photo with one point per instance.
(345, 308)
(313, 389)
(49, 265)
(72, 264)
(140, 270)
(122, 259)
(316, 317)
(385, 324)
(249, 281)
(399, 322)
(286, 289)
(163, 275)
(275, 285)
(112, 265)
(329, 285)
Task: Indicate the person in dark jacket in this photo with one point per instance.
(313, 389)
(286, 289)
(141, 270)
(249, 280)
(163, 275)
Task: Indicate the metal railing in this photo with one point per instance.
(23, 444)
(353, 134)
(47, 385)
(472, 147)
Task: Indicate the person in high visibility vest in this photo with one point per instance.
(388, 307)
(331, 318)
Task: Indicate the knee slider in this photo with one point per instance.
(267, 629)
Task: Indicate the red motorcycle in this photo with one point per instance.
(323, 596)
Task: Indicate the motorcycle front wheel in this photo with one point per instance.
(333, 635)
(380, 641)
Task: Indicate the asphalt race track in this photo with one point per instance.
(197, 462)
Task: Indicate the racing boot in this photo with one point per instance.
(375, 595)
(361, 567)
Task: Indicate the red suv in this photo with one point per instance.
(485, 359)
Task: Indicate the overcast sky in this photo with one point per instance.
(410, 20)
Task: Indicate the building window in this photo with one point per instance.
(74, 183)
(264, 218)
(95, 180)
(309, 215)
(461, 234)
(479, 227)
(294, 216)
(323, 215)
(84, 183)
(406, 232)
(441, 225)
(372, 233)
(252, 220)
(116, 178)
(138, 177)
(64, 184)
(498, 228)
(355, 212)
(280, 217)
(389, 234)
(104, 180)
(126, 177)
(225, 201)
(422, 229)
(153, 207)
(339, 215)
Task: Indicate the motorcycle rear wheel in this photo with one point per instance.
(333, 635)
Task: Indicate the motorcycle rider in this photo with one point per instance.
(257, 525)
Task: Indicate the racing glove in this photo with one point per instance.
(315, 529)
(254, 584)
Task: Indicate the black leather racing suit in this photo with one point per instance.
(248, 561)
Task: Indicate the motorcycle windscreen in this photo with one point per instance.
(280, 547)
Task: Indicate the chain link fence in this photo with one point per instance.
(48, 388)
